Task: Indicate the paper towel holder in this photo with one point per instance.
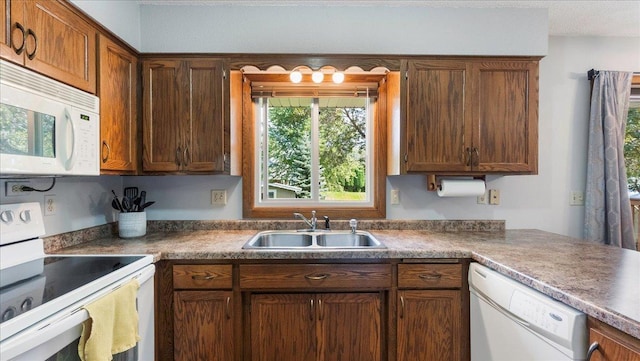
(433, 181)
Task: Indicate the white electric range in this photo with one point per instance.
(42, 296)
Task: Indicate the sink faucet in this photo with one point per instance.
(353, 223)
(312, 223)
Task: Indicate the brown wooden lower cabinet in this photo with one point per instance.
(613, 345)
(432, 312)
(203, 326)
(322, 326)
(429, 325)
(301, 311)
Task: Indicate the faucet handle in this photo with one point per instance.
(353, 223)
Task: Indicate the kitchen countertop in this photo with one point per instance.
(601, 281)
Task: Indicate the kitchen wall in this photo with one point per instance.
(121, 17)
(344, 29)
(540, 201)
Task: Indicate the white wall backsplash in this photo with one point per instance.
(344, 30)
(183, 197)
(82, 202)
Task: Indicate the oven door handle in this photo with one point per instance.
(46, 340)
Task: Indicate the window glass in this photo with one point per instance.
(314, 150)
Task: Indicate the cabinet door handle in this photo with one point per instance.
(430, 277)
(205, 277)
(592, 348)
(401, 306)
(312, 310)
(19, 49)
(228, 309)
(320, 310)
(105, 145)
(316, 277)
(185, 158)
(467, 152)
(178, 154)
(35, 41)
(476, 156)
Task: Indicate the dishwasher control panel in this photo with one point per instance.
(539, 313)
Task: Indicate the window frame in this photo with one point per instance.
(375, 210)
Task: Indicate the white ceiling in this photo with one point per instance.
(567, 18)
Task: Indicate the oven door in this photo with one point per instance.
(57, 337)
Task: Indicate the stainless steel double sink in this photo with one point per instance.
(307, 240)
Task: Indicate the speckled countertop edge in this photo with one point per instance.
(523, 255)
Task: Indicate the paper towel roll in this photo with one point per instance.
(461, 188)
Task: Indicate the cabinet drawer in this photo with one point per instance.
(315, 276)
(202, 276)
(419, 276)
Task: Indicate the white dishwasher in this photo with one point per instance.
(512, 322)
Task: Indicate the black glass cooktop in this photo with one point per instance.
(53, 277)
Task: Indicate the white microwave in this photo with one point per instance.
(46, 127)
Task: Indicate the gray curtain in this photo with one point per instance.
(607, 207)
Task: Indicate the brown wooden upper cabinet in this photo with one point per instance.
(474, 116)
(185, 121)
(48, 37)
(117, 89)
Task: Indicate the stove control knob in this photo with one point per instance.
(6, 217)
(27, 304)
(8, 314)
(25, 216)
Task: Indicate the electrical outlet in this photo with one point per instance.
(577, 199)
(482, 199)
(395, 196)
(50, 205)
(218, 197)
(14, 188)
(494, 196)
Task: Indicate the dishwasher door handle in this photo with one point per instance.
(502, 310)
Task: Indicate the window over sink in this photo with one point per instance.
(315, 146)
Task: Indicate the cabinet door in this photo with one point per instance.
(282, 327)
(506, 116)
(610, 349)
(349, 327)
(437, 131)
(161, 130)
(60, 43)
(203, 326)
(10, 34)
(117, 90)
(203, 144)
(429, 325)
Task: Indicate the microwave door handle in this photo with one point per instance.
(72, 159)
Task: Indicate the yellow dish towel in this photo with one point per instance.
(113, 327)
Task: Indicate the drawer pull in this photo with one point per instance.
(203, 277)
(430, 277)
(316, 277)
